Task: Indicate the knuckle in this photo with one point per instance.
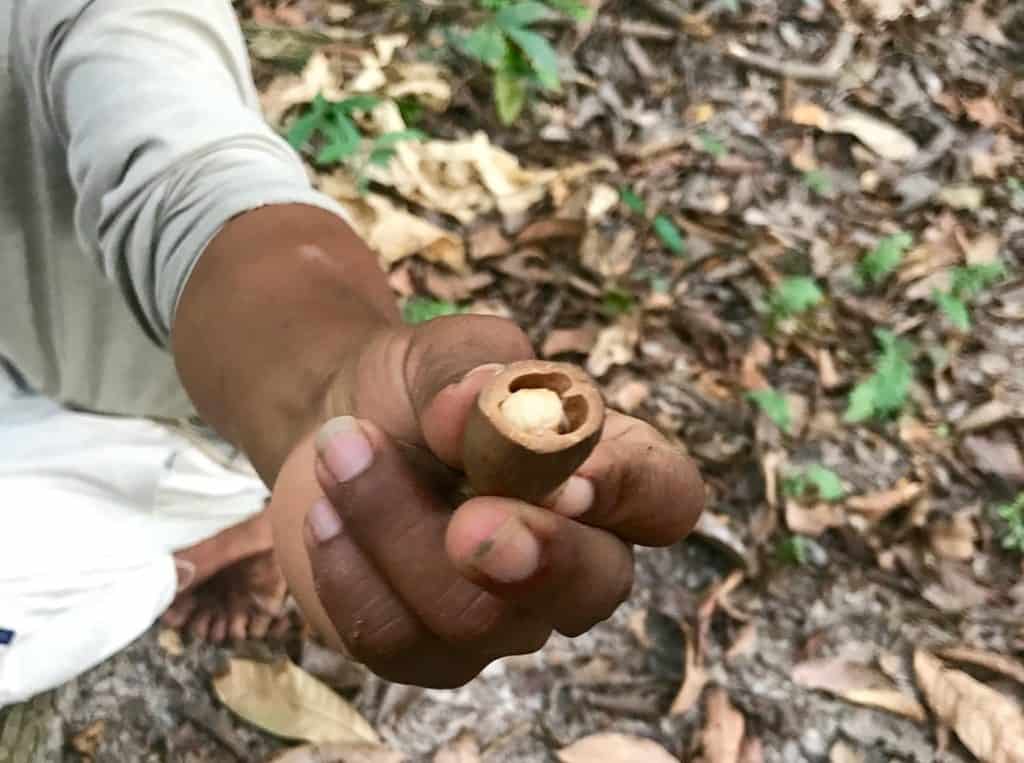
(478, 621)
(384, 643)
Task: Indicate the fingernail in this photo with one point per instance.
(186, 574)
(490, 369)
(344, 449)
(324, 521)
(576, 498)
(511, 555)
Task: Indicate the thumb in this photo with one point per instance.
(440, 366)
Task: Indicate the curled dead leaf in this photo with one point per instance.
(285, 700)
(463, 749)
(813, 520)
(989, 724)
(857, 683)
(954, 537)
(615, 346)
(615, 748)
(340, 752)
(724, 729)
(561, 341)
(877, 506)
(998, 663)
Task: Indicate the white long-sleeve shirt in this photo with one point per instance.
(130, 132)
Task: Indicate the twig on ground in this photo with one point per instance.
(826, 70)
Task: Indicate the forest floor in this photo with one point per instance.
(789, 234)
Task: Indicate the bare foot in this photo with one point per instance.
(230, 585)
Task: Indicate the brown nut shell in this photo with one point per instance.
(502, 460)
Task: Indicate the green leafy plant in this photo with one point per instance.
(793, 550)
(823, 483)
(774, 405)
(713, 145)
(968, 283)
(616, 302)
(666, 230)
(795, 295)
(887, 255)
(819, 181)
(520, 57)
(1016, 189)
(1013, 515)
(423, 309)
(331, 127)
(885, 392)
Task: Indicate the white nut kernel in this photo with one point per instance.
(534, 411)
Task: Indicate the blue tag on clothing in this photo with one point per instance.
(6, 636)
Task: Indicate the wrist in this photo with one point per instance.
(276, 315)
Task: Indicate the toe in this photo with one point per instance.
(200, 627)
(179, 612)
(239, 623)
(260, 626)
(219, 629)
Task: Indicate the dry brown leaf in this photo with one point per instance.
(285, 700)
(962, 196)
(813, 520)
(984, 111)
(989, 724)
(998, 663)
(887, 10)
(488, 241)
(603, 199)
(560, 341)
(615, 346)
(841, 752)
(609, 256)
(954, 537)
(724, 729)
(977, 23)
(170, 641)
(340, 752)
(455, 287)
(984, 250)
(86, 741)
(886, 140)
(694, 680)
(758, 356)
(551, 228)
(857, 683)
(463, 749)
(615, 748)
(877, 506)
(744, 643)
(334, 752)
(393, 233)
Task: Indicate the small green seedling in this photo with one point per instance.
(793, 550)
(616, 302)
(713, 145)
(519, 56)
(885, 392)
(774, 405)
(795, 295)
(968, 283)
(666, 230)
(886, 257)
(422, 309)
(330, 124)
(819, 181)
(1013, 515)
(815, 481)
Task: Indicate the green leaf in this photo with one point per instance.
(884, 258)
(304, 127)
(572, 8)
(616, 302)
(357, 103)
(421, 309)
(795, 295)
(774, 405)
(955, 309)
(792, 550)
(509, 95)
(972, 280)
(712, 145)
(634, 202)
(487, 44)
(827, 482)
(541, 55)
(669, 234)
(519, 15)
(886, 391)
(411, 109)
(343, 140)
(818, 181)
(1013, 515)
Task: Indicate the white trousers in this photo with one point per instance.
(91, 510)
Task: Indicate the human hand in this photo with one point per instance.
(426, 593)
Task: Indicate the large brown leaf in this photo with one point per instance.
(615, 748)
